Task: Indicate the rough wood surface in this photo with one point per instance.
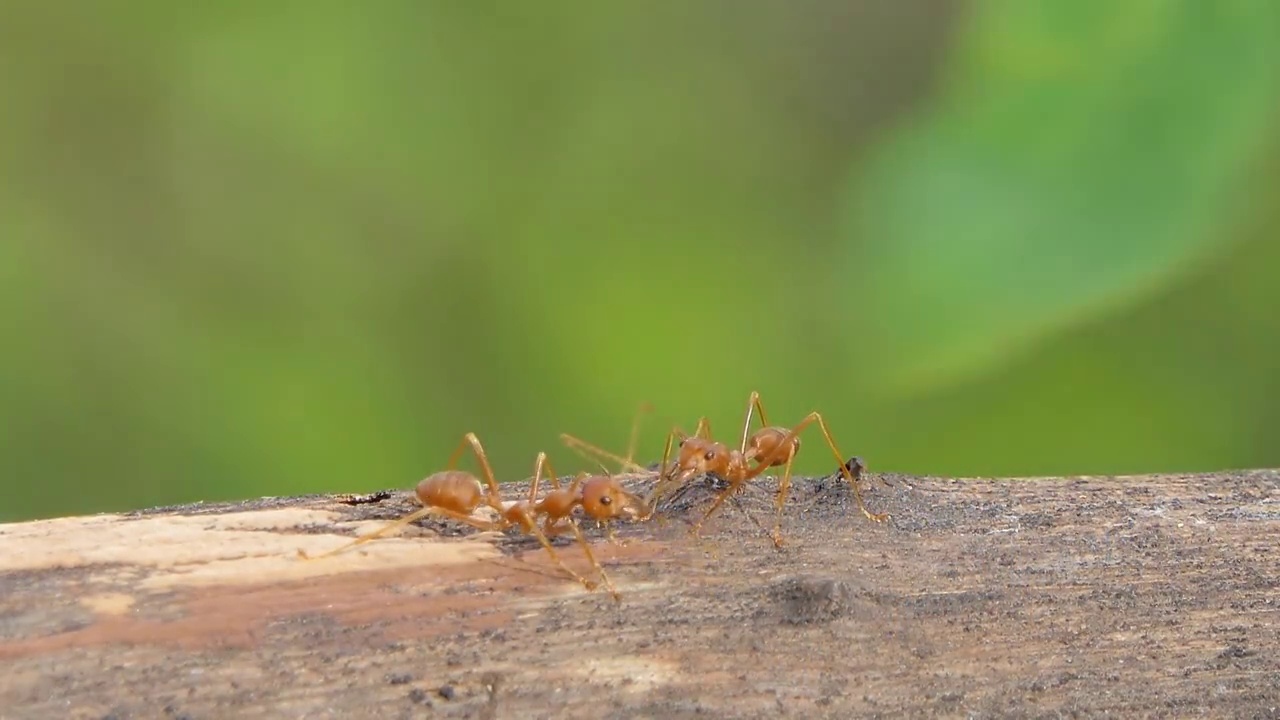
(1150, 596)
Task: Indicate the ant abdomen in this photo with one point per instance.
(456, 490)
(769, 442)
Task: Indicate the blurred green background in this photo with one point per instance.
(282, 247)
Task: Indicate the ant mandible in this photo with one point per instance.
(457, 494)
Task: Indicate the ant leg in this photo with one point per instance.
(474, 522)
(782, 501)
(831, 443)
(753, 404)
(591, 558)
(542, 538)
(750, 516)
(651, 501)
(587, 451)
(537, 478)
(663, 478)
(755, 398)
(593, 453)
(644, 409)
(703, 429)
(853, 483)
(531, 526)
(724, 495)
(417, 514)
(551, 528)
(457, 452)
(495, 495)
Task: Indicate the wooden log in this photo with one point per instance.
(1134, 596)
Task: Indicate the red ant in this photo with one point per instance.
(457, 494)
(770, 446)
(601, 497)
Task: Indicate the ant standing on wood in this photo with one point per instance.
(457, 494)
(601, 497)
(770, 446)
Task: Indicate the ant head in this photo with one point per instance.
(705, 457)
(691, 448)
(603, 498)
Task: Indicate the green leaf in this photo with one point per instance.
(1079, 156)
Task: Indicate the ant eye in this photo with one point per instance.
(606, 500)
(711, 455)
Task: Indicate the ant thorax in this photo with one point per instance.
(736, 467)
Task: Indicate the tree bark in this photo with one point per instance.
(1136, 596)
